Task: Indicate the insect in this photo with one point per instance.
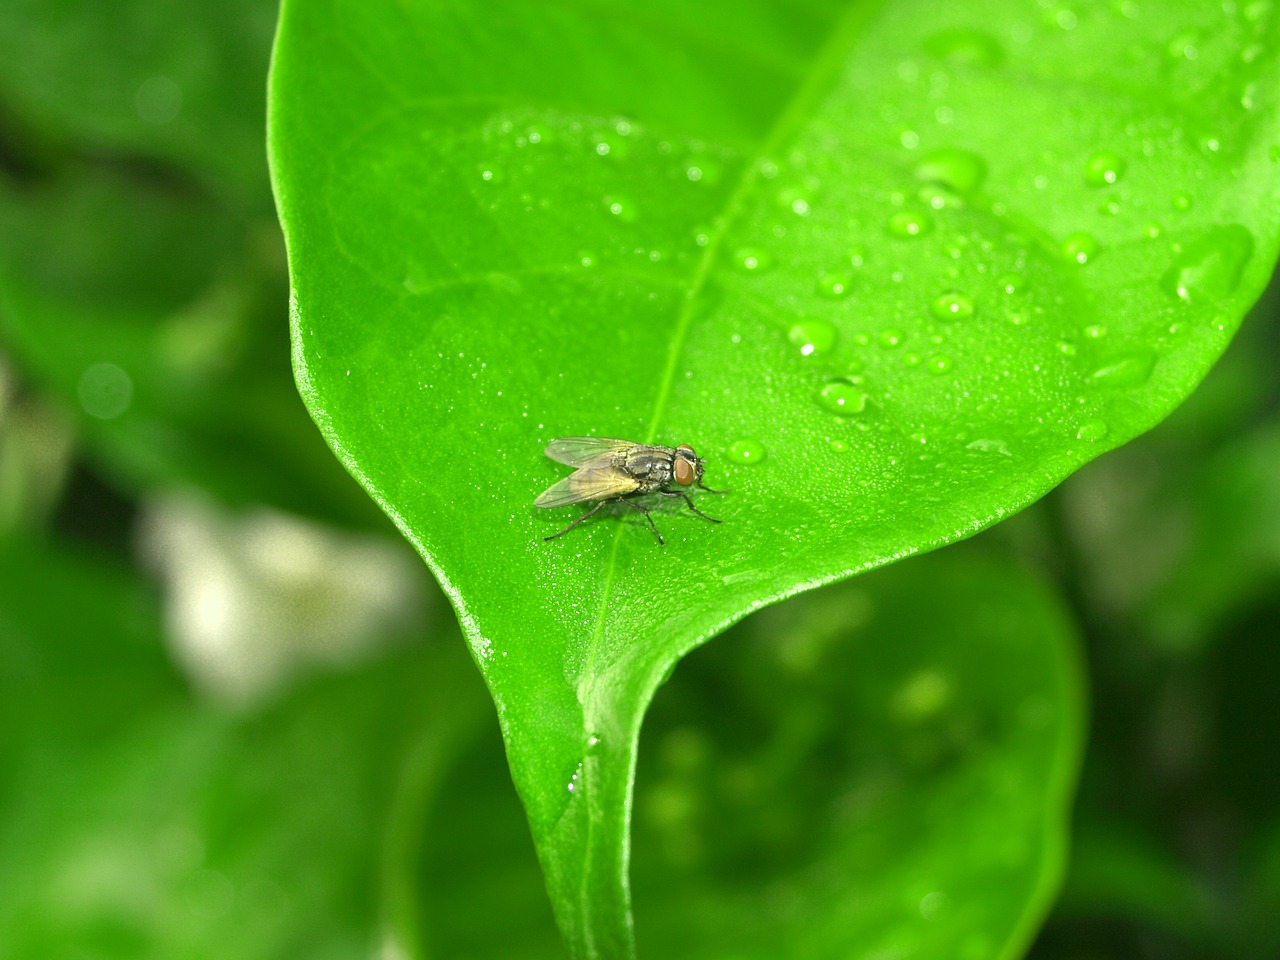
(612, 471)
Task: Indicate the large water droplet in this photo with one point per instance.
(1103, 169)
(843, 398)
(746, 450)
(1080, 247)
(964, 47)
(1128, 370)
(1092, 431)
(813, 337)
(1209, 269)
(952, 306)
(909, 223)
(958, 169)
(105, 391)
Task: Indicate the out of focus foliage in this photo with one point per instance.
(237, 720)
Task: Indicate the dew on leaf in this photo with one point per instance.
(746, 451)
(961, 170)
(1095, 331)
(1183, 45)
(939, 364)
(965, 47)
(1109, 207)
(1209, 268)
(1103, 168)
(1012, 283)
(1183, 201)
(952, 306)
(620, 207)
(890, 337)
(834, 285)
(843, 398)
(1126, 371)
(752, 259)
(1080, 247)
(813, 337)
(909, 223)
(1092, 431)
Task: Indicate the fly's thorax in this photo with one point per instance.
(650, 465)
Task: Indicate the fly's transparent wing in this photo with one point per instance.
(587, 484)
(580, 451)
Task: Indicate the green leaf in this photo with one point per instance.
(894, 269)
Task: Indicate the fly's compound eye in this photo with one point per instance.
(684, 470)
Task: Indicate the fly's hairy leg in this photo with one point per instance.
(685, 498)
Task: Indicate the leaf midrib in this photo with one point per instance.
(816, 85)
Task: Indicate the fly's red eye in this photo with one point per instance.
(684, 471)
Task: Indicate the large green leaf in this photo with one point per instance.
(896, 269)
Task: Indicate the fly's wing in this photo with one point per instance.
(581, 451)
(588, 483)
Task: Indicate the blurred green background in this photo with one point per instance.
(221, 669)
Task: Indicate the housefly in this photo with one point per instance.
(613, 471)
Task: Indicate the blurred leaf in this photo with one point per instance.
(155, 315)
(173, 82)
(138, 823)
(895, 269)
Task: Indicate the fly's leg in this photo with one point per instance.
(645, 511)
(577, 521)
(708, 489)
(685, 498)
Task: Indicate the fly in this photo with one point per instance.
(612, 471)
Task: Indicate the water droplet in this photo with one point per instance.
(843, 398)
(1012, 283)
(1109, 207)
(586, 258)
(1103, 168)
(834, 285)
(890, 337)
(1184, 45)
(952, 306)
(960, 170)
(1095, 331)
(704, 170)
(1092, 431)
(938, 364)
(965, 47)
(1080, 247)
(813, 337)
(1183, 201)
(490, 173)
(753, 259)
(990, 446)
(1152, 230)
(1126, 371)
(621, 207)
(746, 451)
(857, 257)
(1209, 269)
(839, 446)
(105, 391)
(909, 223)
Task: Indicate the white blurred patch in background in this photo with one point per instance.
(254, 599)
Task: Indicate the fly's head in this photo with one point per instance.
(687, 468)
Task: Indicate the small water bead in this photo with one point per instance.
(1092, 431)
(834, 286)
(839, 446)
(938, 364)
(1152, 230)
(1095, 331)
(890, 338)
(753, 259)
(586, 258)
(1183, 202)
(1012, 283)
(961, 170)
(1184, 45)
(746, 451)
(952, 306)
(909, 223)
(843, 398)
(621, 207)
(1104, 168)
(857, 257)
(1080, 247)
(965, 47)
(1210, 268)
(813, 337)
(1110, 207)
